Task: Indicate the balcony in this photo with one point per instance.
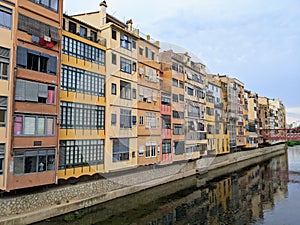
(166, 133)
(195, 136)
(219, 105)
(166, 110)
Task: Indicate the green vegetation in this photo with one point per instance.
(73, 216)
(293, 143)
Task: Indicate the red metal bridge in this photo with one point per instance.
(281, 134)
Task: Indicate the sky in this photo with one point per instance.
(255, 41)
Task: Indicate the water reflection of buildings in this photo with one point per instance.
(238, 198)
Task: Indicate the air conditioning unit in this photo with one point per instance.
(47, 38)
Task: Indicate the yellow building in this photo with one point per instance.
(83, 99)
(233, 91)
(121, 88)
(217, 132)
(251, 115)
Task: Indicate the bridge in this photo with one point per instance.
(286, 134)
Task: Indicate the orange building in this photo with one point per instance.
(33, 109)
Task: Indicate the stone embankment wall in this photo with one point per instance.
(53, 202)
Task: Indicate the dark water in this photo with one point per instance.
(268, 193)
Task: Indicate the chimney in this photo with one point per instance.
(103, 7)
(129, 24)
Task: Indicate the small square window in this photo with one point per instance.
(141, 120)
(133, 120)
(141, 50)
(114, 59)
(134, 44)
(113, 119)
(113, 89)
(114, 34)
(134, 93)
(134, 66)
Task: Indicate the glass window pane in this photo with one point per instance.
(41, 126)
(50, 126)
(29, 126)
(18, 165)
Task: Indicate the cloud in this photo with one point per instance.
(255, 41)
(293, 114)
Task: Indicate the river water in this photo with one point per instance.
(263, 194)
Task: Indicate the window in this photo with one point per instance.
(125, 65)
(134, 44)
(114, 34)
(3, 111)
(82, 81)
(175, 98)
(35, 92)
(114, 58)
(94, 36)
(134, 66)
(125, 118)
(150, 120)
(81, 116)
(50, 4)
(175, 82)
(134, 93)
(120, 149)
(37, 61)
(31, 161)
(190, 91)
(125, 90)
(113, 89)
(83, 32)
(125, 41)
(180, 69)
(113, 119)
(146, 95)
(150, 149)
(193, 111)
(5, 17)
(4, 63)
(152, 55)
(141, 50)
(181, 97)
(181, 84)
(178, 115)
(83, 51)
(2, 158)
(38, 30)
(75, 153)
(133, 120)
(179, 147)
(166, 146)
(34, 125)
(165, 100)
(166, 122)
(141, 120)
(72, 27)
(175, 66)
(147, 52)
(178, 129)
